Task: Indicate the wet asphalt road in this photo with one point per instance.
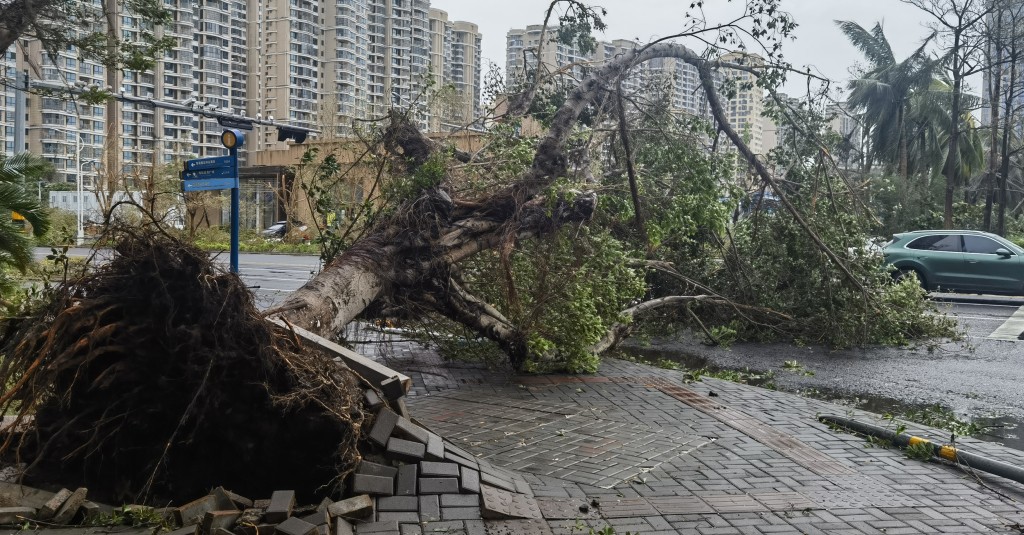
(271, 276)
(980, 377)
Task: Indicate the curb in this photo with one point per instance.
(977, 299)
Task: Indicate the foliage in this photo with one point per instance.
(944, 418)
(15, 245)
(919, 451)
(744, 376)
(564, 292)
(50, 20)
(63, 228)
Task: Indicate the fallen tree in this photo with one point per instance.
(412, 259)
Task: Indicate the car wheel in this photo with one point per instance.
(906, 272)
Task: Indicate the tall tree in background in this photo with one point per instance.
(958, 26)
(1005, 35)
(884, 92)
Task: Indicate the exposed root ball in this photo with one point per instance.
(156, 378)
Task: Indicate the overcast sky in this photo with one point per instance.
(819, 43)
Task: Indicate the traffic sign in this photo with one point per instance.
(208, 163)
(207, 184)
(214, 172)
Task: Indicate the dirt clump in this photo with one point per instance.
(154, 377)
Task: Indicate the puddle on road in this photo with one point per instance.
(1004, 430)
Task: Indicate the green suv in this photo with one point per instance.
(958, 260)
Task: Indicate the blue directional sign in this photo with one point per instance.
(208, 163)
(208, 184)
(219, 172)
(213, 172)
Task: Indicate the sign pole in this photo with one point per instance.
(219, 173)
(234, 214)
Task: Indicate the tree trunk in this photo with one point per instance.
(953, 153)
(1004, 168)
(995, 88)
(904, 164)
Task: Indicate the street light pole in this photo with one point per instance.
(80, 235)
(80, 238)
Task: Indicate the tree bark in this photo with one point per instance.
(995, 88)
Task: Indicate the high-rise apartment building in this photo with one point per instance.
(324, 64)
(679, 77)
(455, 66)
(319, 64)
(746, 109)
(524, 55)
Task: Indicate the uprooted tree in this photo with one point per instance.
(415, 260)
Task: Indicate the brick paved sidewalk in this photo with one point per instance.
(637, 449)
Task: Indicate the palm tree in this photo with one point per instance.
(884, 90)
(15, 171)
(928, 128)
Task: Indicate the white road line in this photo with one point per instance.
(980, 318)
(1012, 329)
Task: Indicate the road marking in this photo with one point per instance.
(981, 318)
(1012, 329)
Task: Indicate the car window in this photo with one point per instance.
(937, 242)
(981, 245)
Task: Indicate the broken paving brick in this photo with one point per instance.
(383, 425)
(319, 518)
(460, 513)
(436, 469)
(281, 504)
(70, 507)
(342, 527)
(464, 461)
(295, 526)
(469, 480)
(405, 484)
(371, 400)
(324, 504)
(192, 512)
(227, 500)
(389, 526)
(460, 500)
(502, 504)
(405, 428)
(16, 515)
(189, 530)
(403, 409)
(323, 529)
(51, 506)
(376, 485)
(406, 449)
(398, 503)
(250, 516)
(376, 469)
(398, 516)
(89, 511)
(494, 480)
(435, 447)
(430, 508)
(354, 507)
(439, 485)
(219, 519)
(392, 388)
